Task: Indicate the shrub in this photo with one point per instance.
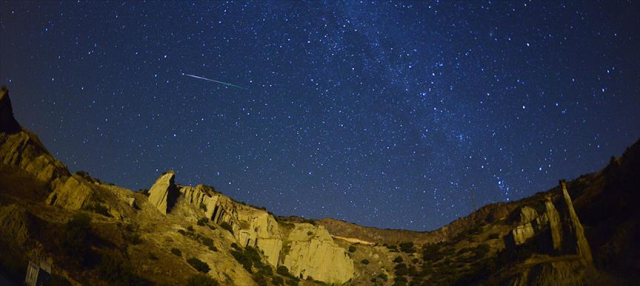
(431, 252)
(176, 252)
(401, 269)
(77, 237)
(284, 271)
(207, 242)
(398, 259)
(277, 280)
(250, 257)
(242, 259)
(407, 247)
(203, 207)
(152, 256)
(364, 261)
(203, 221)
(352, 249)
(400, 281)
(227, 226)
(201, 280)
(260, 278)
(494, 236)
(383, 276)
(198, 264)
(190, 228)
(117, 272)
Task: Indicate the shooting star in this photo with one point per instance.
(216, 81)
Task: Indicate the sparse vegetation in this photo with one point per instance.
(277, 280)
(202, 280)
(251, 258)
(203, 221)
(118, 272)
(284, 271)
(383, 276)
(481, 251)
(198, 264)
(203, 207)
(208, 242)
(407, 247)
(431, 252)
(227, 226)
(494, 236)
(76, 240)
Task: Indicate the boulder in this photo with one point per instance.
(164, 192)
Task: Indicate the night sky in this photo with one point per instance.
(382, 114)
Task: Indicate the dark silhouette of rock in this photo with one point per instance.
(8, 124)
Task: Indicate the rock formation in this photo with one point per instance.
(312, 253)
(315, 255)
(552, 232)
(72, 195)
(574, 240)
(8, 124)
(164, 192)
(535, 241)
(24, 150)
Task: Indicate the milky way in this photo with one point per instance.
(384, 114)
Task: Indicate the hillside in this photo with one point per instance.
(87, 232)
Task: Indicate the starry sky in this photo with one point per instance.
(389, 114)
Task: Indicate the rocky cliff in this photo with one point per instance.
(306, 250)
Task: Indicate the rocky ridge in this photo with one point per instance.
(544, 239)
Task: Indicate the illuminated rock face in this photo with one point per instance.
(575, 240)
(23, 149)
(163, 192)
(72, 195)
(306, 250)
(312, 253)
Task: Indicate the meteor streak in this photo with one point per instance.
(216, 81)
